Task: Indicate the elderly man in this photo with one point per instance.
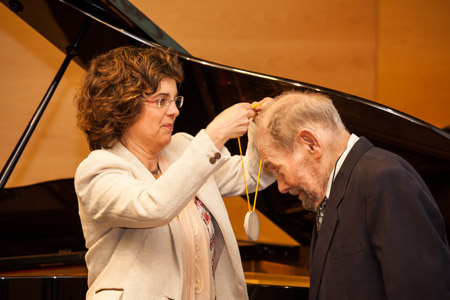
(379, 233)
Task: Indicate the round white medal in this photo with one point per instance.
(251, 225)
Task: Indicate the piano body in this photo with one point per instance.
(41, 243)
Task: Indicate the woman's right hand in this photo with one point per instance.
(231, 123)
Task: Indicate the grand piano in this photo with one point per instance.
(41, 243)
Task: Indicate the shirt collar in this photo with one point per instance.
(351, 142)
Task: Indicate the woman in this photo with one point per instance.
(151, 203)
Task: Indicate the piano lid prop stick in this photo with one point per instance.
(251, 221)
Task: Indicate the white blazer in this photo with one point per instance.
(129, 223)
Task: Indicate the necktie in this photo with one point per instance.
(321, 213)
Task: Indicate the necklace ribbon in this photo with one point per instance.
(251, 221)
(245, 181)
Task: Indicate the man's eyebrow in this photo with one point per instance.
(267, 164)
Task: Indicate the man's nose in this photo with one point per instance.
(283, 187)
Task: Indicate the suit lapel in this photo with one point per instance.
(321, 245)
(321, 242)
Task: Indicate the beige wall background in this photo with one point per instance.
(392, 52)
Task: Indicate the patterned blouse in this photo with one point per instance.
(207, 219)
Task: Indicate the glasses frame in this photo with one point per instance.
(163, 103)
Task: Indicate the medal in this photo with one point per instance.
(251, 220)
(251, 225)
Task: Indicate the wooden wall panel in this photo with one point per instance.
(327, 43)
(413, 73)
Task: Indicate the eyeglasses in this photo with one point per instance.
(165, 102)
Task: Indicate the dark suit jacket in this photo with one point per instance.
(382, 236)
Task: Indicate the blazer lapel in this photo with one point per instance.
(321, 245)
(321, 242)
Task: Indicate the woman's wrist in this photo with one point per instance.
(218, 139)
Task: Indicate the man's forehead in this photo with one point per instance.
(266, 149)
(262, 140)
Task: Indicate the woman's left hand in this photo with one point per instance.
(258, 106)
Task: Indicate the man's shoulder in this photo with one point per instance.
(372, 154)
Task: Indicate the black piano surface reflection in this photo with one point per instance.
(41, 243)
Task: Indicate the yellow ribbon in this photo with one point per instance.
(245, 181)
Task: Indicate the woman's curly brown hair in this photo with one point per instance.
(110, 98)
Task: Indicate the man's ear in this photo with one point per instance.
(310, 142)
